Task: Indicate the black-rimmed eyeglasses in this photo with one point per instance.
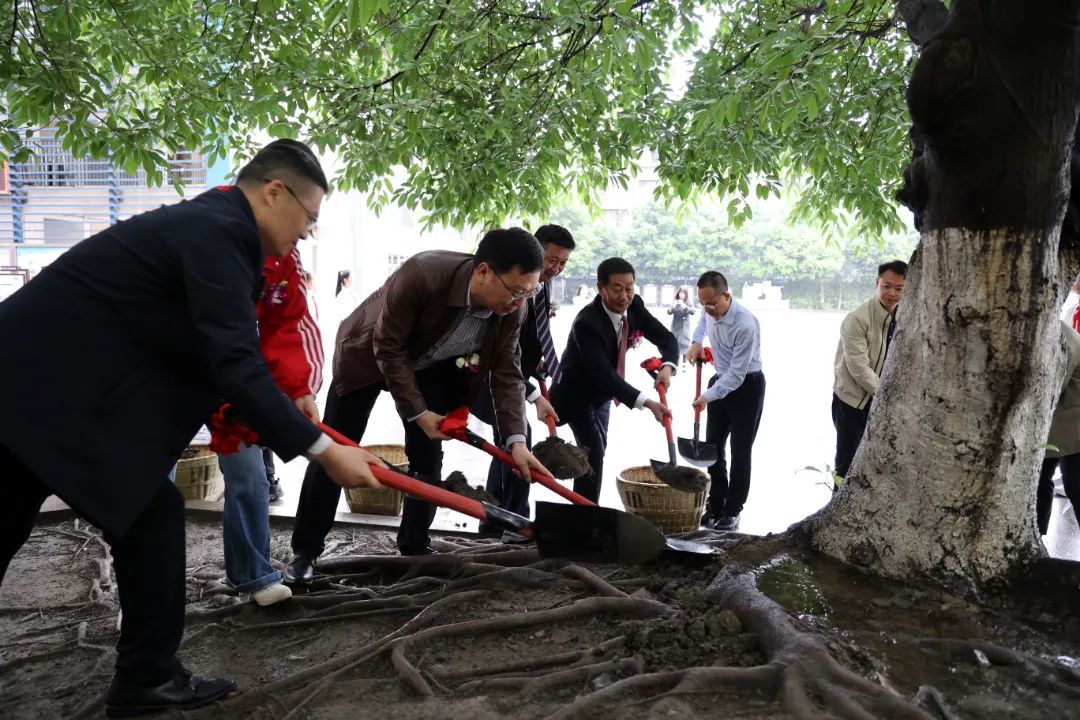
(519, 294)
(313, 219)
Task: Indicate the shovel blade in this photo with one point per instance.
(595, 534)
(697, 452)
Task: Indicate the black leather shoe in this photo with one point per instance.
(300, 570)
(183, 691)
(727, 522)
(708, 520)
(427, 550)
(485, 530)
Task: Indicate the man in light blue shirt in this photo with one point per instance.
(734, 397)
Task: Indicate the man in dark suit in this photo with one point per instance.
(592, 371)
(123, 347)
(538, 360)
(441, 323)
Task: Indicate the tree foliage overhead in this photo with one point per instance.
(493, 108)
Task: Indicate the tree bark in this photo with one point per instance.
(943, 483)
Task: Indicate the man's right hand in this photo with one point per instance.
(348, 466)
(658, 409)
(429, 423)
(693, 353)
(544, 409)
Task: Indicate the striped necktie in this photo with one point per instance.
(542, 308)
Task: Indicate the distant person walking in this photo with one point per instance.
(345, 299)
(680, 312)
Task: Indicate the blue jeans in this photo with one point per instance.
(246, 522)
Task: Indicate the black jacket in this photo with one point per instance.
(119, 350)
(589, 367)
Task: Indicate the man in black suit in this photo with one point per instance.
(123, 347)
(538, 360)
(592, 371)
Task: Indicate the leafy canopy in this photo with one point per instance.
(478, 110)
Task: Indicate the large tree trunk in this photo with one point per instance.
(943, 483)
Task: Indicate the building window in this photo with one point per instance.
(59, 230)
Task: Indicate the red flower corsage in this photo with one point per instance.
(469, 363)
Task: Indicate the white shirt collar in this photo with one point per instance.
(616, 319)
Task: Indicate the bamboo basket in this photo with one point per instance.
(670, 510)
(199, 477)
(384, 501)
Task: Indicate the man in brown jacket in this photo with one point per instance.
(430, 335)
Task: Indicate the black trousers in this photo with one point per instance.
(1044, 494)
(149, 562)
(850, 424)
(444, 391)
(736, 416)
(503, 483)
(590, 428)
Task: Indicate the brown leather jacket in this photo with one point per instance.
(385, 336)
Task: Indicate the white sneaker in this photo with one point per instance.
(268, 595)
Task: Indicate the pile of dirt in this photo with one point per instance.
(456, 482)
(563, 460)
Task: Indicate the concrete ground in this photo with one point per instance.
(796, 434)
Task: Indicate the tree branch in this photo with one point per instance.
(420, 51)
(14, 23)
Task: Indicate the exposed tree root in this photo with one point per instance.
(534, 665)
(631, 607)
(810, 678)
(570, 677)
(80, 643)
(660, 685)
(327, 671)
(1051, 675)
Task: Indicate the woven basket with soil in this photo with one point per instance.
(384, 501)
(198, 476)
(672, 511)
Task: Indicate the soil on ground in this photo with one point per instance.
(483, 630)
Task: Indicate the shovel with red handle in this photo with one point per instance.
(694, 451)
(552, 432)
(454, 426)
(573, 532)
(680, 478)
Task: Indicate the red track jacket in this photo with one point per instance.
(289, 340)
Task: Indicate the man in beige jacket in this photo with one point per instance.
(860, 356)
(1064, 438)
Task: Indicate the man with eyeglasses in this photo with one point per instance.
(735, 396)
(538, 359)
(440, 324)
(124, 346)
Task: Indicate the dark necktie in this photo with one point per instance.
(542, 308)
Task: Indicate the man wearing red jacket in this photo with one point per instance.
(292, 347)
